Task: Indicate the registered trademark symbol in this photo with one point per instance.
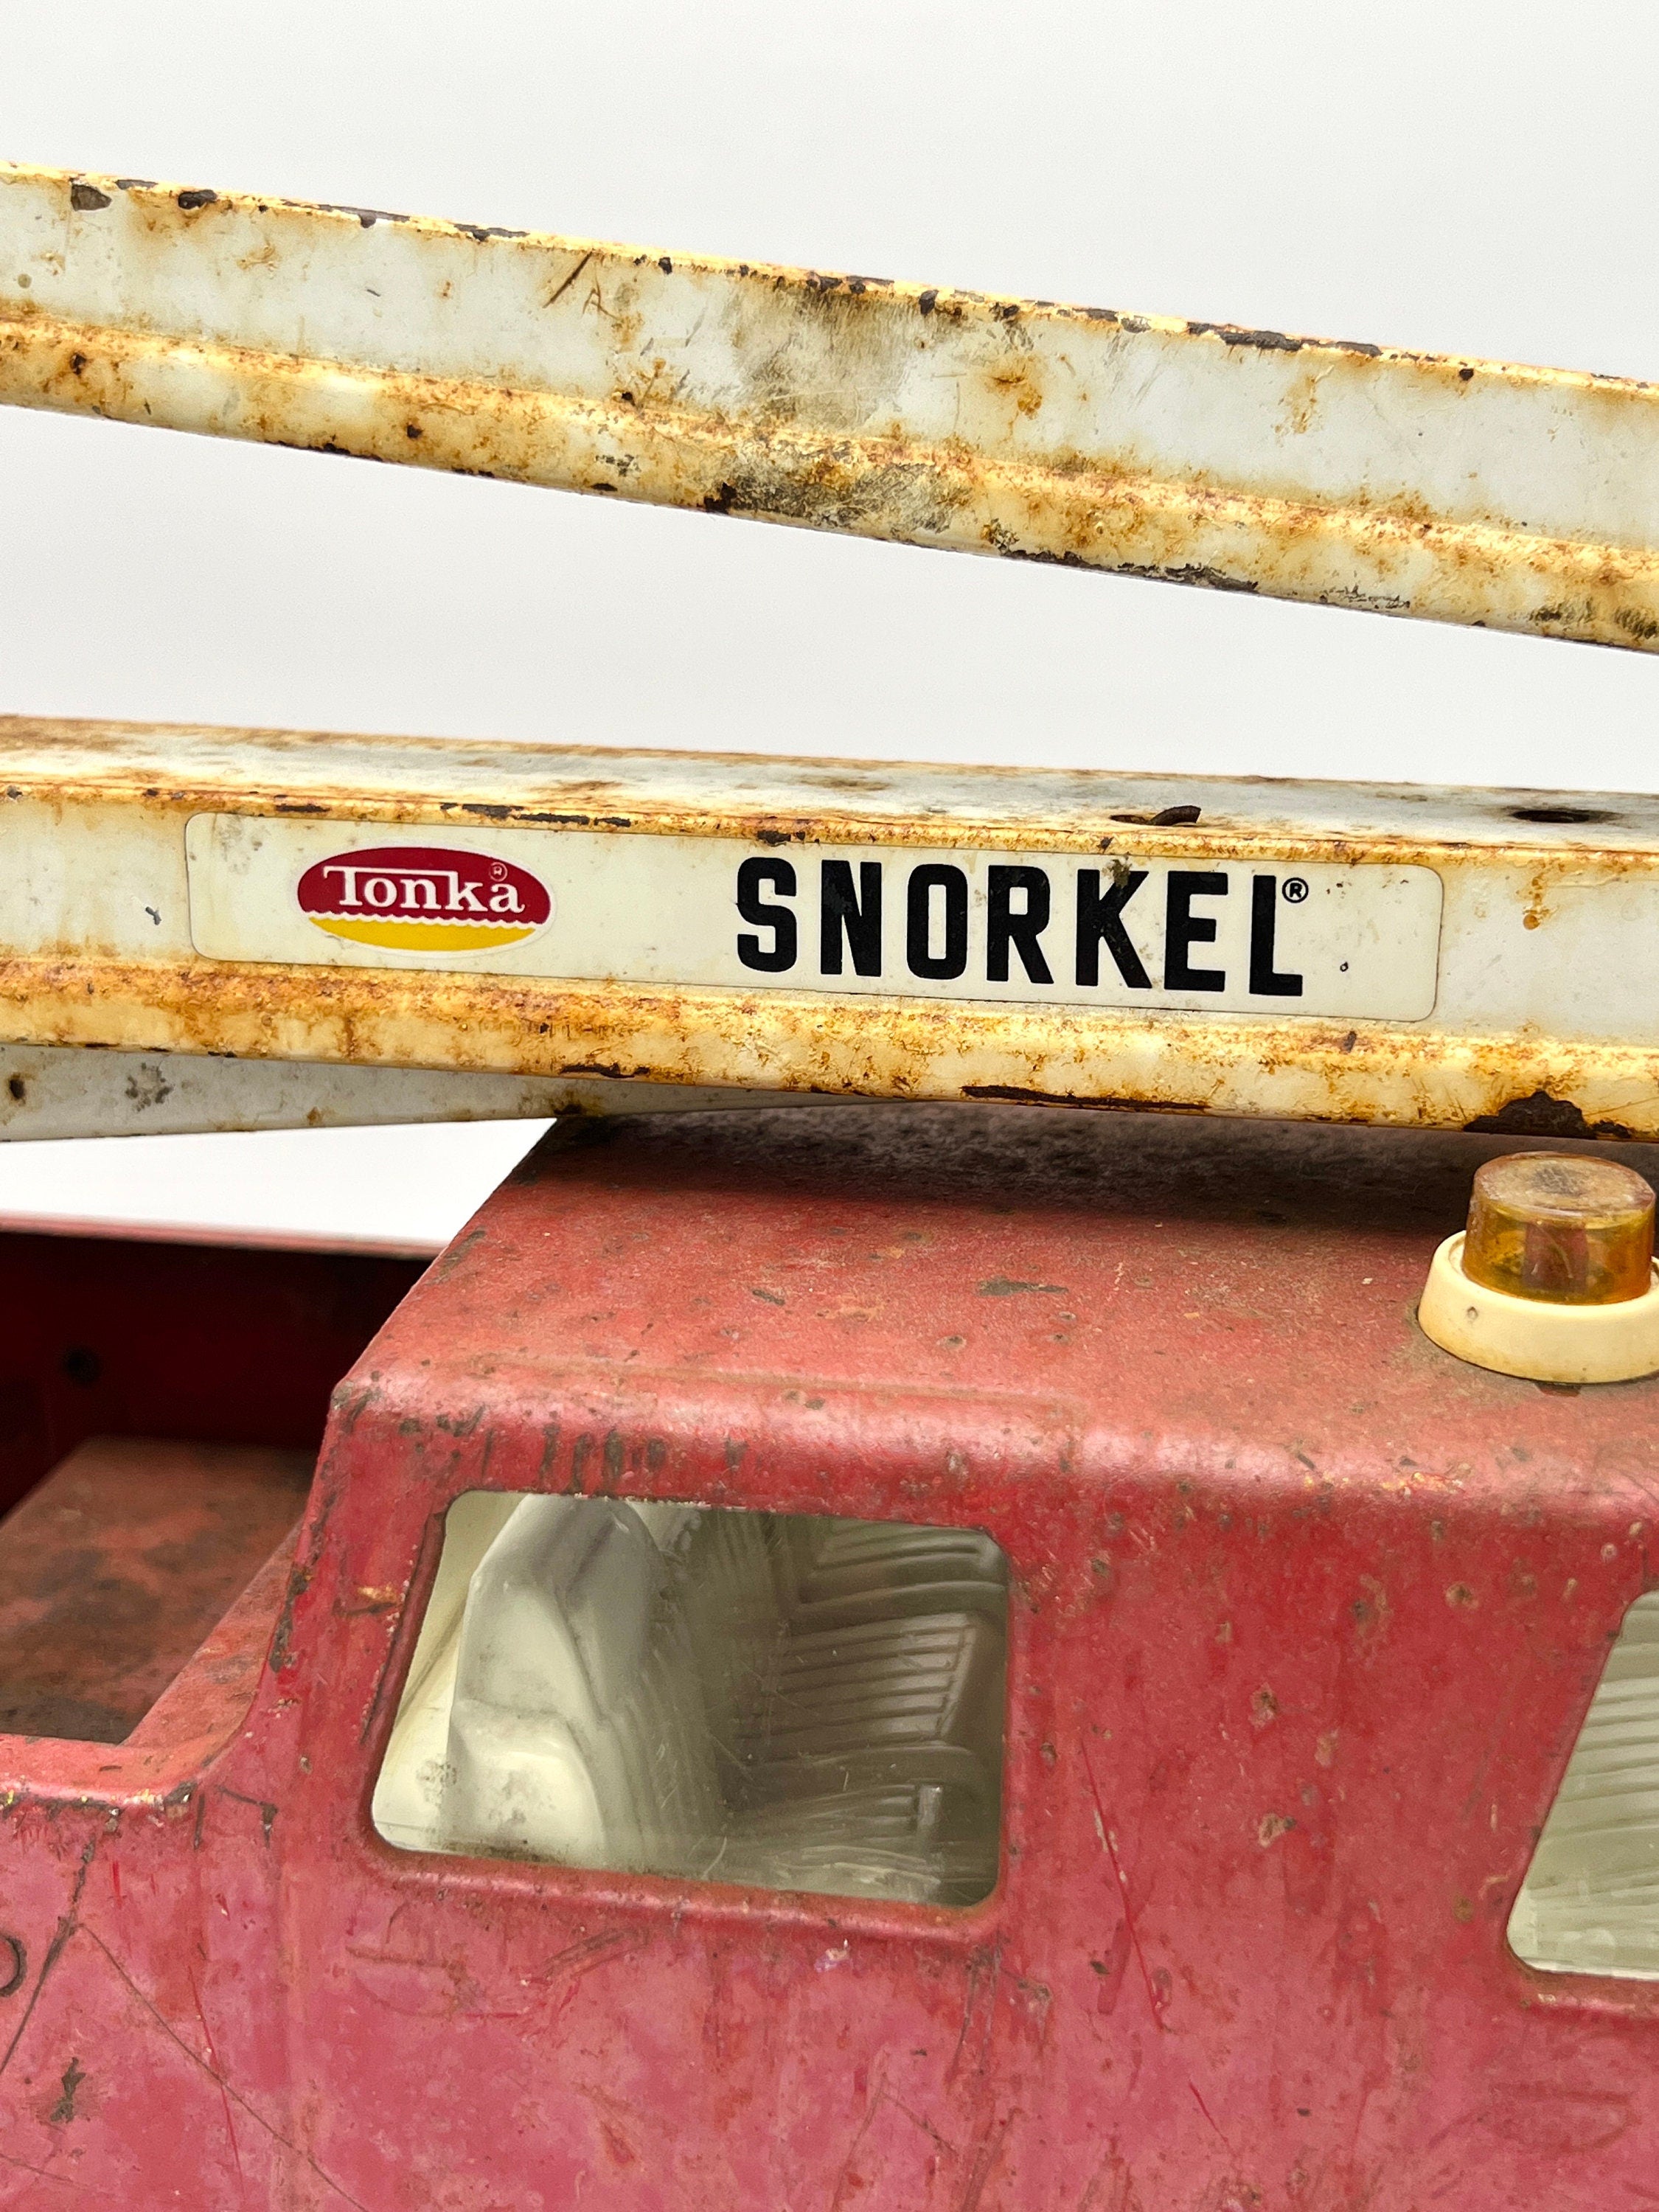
(1296, 890)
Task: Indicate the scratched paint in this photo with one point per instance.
(1347, 473)
(1248, 1947)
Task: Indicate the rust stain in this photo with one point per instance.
(793, 396)
(160, 769)
(643, 448)
(806, 1042)
(81, 982)
(1539, 1115)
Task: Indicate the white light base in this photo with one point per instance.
(1537, 1340)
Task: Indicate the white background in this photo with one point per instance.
(1473, 176)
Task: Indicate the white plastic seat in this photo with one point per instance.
(796, 1703)
(577, 1731)
(858, 1699)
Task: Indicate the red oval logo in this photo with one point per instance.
(424, 899)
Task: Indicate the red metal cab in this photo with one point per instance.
(1303, 1618)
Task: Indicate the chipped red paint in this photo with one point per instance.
(1305, 1617)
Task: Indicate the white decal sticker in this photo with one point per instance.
(1192, 935)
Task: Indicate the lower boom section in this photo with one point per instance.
(500, 924)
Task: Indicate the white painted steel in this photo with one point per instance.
(1469, 957)
(1545, 1007)
(1348, 473)
(49, 1091)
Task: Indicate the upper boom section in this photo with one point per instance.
(1352, 475)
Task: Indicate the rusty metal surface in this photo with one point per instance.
(1545, 1021)
(1347, 473)
(53, 1091)
(115, 1570)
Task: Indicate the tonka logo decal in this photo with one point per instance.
(424, 899)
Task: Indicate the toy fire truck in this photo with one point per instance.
(867, 1635)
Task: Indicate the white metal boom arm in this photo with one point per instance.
(512, 930)
(1353, 474)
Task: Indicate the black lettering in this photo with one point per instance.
(858, 919)
(1182, 929)
(937, 967)
(1100, 921)
(754, 878)
(1005, 928)
(1264, 981)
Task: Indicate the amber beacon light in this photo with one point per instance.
(1553, 1278)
